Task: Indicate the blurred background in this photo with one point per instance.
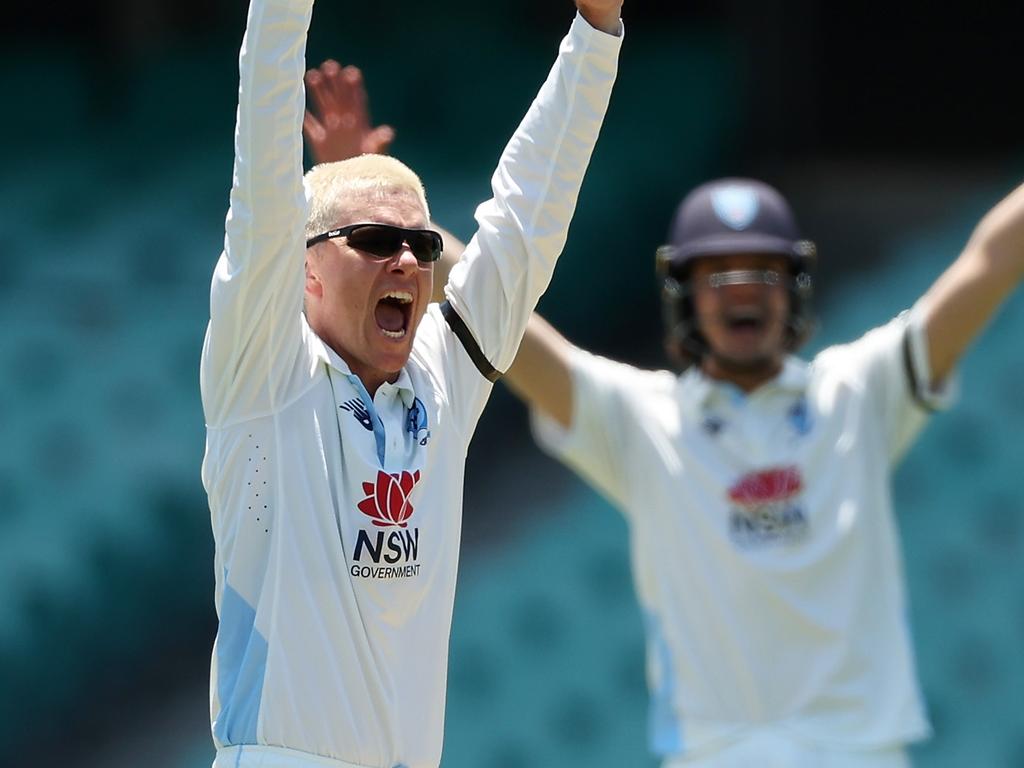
(890, 130)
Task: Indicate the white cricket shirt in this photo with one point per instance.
(336, 516)
(764, 550)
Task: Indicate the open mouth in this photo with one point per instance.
(747, 321)
(393, 313)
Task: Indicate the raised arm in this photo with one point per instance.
(960, 303)
(254, 334)
(522, 229)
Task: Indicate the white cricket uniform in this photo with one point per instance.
(764, 550)
(337, 516)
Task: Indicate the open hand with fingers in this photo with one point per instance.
(337, 121)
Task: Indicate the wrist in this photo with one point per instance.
(603, 19)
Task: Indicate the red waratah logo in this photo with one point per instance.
(387, 501)
(766, 486)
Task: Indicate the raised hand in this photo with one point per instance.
(337, 123)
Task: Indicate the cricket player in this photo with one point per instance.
(756, 485)
(340, 403)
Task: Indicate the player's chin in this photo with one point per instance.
(745, 350)
(747, 356)
(390, 350)
(753, 343)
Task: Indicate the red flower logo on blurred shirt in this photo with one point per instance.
(766, 486)
(387, 500)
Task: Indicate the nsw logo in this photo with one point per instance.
(765, 507)
(387, 500)
(388, 505)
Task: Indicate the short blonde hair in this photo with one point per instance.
(329, 184)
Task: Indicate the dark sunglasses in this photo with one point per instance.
(383, 241)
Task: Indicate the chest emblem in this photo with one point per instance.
(387, 500)
(765, 507)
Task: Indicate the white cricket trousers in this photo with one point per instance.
(775, 749)
(258, 756)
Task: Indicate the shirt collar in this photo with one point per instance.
(403, 384)
(794, 376)
(697, 390)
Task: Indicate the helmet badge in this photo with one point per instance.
(736, 206)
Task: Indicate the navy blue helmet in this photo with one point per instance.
(722, 217)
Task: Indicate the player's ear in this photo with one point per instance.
(314, 288)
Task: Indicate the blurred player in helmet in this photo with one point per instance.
(757, 485)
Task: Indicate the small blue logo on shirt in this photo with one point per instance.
(416, 422)
(356, 408)
(712, 425)
(800, 417)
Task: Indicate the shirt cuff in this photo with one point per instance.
(551, 436)
(596, 39)
(293, 5)
(934, 396)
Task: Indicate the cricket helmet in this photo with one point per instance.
(723, 217)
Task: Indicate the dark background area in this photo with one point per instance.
(876, 123)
